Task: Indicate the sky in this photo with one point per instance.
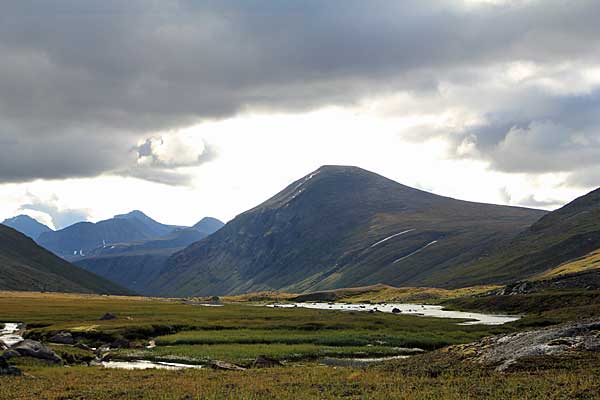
(185, 109)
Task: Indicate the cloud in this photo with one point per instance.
(533, 202)
(553, 134)
(165, 159)
(82, 83)
(49, 210)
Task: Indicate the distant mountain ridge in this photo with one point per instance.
(134, 265)
(341, 227)
(27, 226)
(82, 238)
(25, 266)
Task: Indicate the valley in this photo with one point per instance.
(344, 284)
(170, 349)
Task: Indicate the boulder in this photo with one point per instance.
(8, 370)
(120, 343)
(265, 362)
(31, 348)
(105, 348)
(83, 346)
(62, 338)
(396, 311)
(225, 366)
(108, 316)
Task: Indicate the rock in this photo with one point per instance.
(62, 338)
(506, 350)
(225, 366)
(8, 370)
(265, 362)
(103, 349)
(396, 311)
(31, 348)
(108, 316)
(95, 362)
(3, 346)
(83, 346)
(120, 343)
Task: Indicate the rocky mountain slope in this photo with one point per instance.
(342, 227)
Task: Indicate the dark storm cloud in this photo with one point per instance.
(561, 136)
(108, 72)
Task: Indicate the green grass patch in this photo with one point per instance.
(324, 337)
(140, 318)
(245, 353)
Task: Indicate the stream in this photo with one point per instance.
(143, 364)
(421, 310)
(8, 334)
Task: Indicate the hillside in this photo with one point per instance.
(561, 236)
(25, 266)
(588, 262)
(134, 265)
(342, 227)
(27, 226)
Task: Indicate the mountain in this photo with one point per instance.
(25, 266)
(208, 225)
(27, 226)
(152, 228)
(76, 241)
(566, 234)
(342, 227)
(134, 265)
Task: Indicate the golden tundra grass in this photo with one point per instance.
(240, 332)
(588, 262)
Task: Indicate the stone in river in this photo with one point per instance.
(225, 366)
(31, 348)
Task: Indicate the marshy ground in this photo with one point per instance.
(299, 338)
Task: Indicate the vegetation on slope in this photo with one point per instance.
(26, 266)
(342, 227)
(563, 235)
(590, 261)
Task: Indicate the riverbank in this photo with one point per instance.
(295, 341)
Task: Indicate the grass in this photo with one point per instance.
(367, 294)
(232, 333)
(385, 293)
(540, 309)
(324, 337)
(245, 353)
(238, 333)
(407, 380)
(590, 261)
